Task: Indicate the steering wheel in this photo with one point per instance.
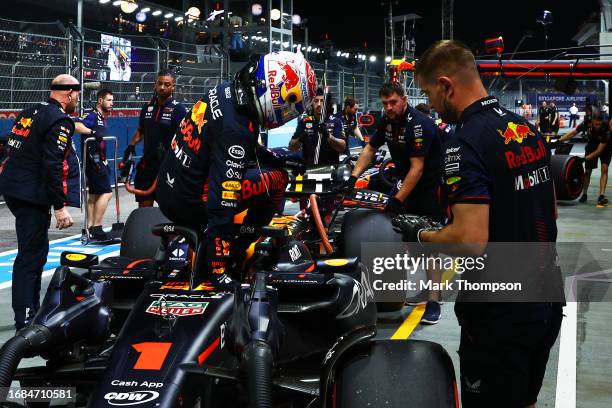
(387, 179)
(316, 216)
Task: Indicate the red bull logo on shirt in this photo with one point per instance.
(516, 132)
(197, 114)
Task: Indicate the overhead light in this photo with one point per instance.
(275, 14)
(117, 2)
(256, 9)
(141, 17)
(104, 1)
(145, 10)
(338, 53)
(128, 6)
(372, 58)
(179, 18)
(388, 59)
(286, 44)
(309, 48)
(168, 15)
(296, 19)
(156, 12)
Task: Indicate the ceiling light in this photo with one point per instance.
(145, 10)
(275, 14)
(104, 1)
(372, 58)
(128, 6)
(179, 18)
(168, 15)
(157, 12)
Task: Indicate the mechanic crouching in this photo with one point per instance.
(40, 170)
(204, 179)
(504, 347)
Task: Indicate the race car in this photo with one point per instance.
(299, 330)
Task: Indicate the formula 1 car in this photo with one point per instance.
(299, 331)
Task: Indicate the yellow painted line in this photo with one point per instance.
(411, 322)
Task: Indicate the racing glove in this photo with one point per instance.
(348, 186)
(411, 226)
(394, 206)
(128, 155)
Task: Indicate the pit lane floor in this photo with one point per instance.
(577, 374)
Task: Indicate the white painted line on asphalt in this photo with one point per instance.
(566, 368)
(51, 271)
(55, 241)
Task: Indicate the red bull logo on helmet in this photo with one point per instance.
(516, 132)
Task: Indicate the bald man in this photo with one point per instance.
(40, 171)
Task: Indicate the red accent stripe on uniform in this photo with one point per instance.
(206, 353)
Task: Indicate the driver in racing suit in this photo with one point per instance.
(204, 179)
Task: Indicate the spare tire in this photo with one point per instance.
(137, 240)
(371, 226)
(568, 176)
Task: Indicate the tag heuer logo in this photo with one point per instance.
(177, 308)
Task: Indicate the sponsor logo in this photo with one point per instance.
(187, 130)
(197, 114)
(452, 158)
(244, 229)
(185, 286)
(16, 144)
(488, 102)
(527, 155)
(230, 163)
(230, 195)
(169, 228)
(237, 152)
(452, 180)
(228, 93)
(418, 139)
(150, 109)
(231, 185)
(169, 180)
(146, 384)
(294, 253)
(452, 150)
(332, 350)
(25, 122)
(174, 102)
(214, 104)
(516, 132)
(451, 168)
(274, 180)
(230, 205)
(499, 111)
(130, 398)
(161, 307)
(222, 336)
(362, 295)
(474, 386)
(532, 179)
(178, 253)
(308, 125)
(75, 257)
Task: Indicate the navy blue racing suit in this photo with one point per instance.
(97, 171)
(204, 179)
(158, 124)
(415, 135)
(307, 132)
(498, 159)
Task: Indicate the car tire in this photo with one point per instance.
(137, 241)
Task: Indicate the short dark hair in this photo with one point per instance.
(167, 72)
(445, 57)
(389, 88)
(102, 93)
(350, 101)
(423, 108)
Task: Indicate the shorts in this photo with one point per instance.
(544, 127)
(604, 157)
(503, 361)
(98, 180)
(145, 177)
(555, 128)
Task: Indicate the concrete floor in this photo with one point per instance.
(589, 334)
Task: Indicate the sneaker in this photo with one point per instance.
(421, 298)
(602, 200)
(432, 313)
(97, 233)
(583, 198)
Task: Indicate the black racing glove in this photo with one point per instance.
(323, 131)
(410, 226)
(98, 135)
(128, 156)
(348, 186)
(296, 165)
(394, 206)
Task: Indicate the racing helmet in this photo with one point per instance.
(281, 86)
